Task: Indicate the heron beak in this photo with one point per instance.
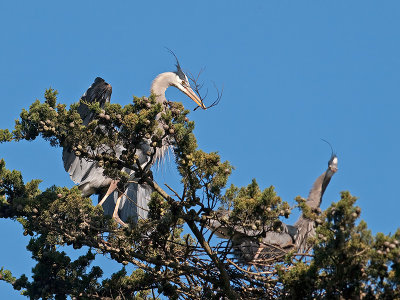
(333, 169)
(192, 95)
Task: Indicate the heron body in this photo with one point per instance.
(133, 201)
(246, 242)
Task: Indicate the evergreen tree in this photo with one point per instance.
(347, 261)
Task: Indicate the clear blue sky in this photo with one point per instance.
(293, 72)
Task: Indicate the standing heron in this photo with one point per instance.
(133, 203)
(246, 243)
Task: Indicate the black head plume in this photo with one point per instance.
(179, 71)
(333, 154)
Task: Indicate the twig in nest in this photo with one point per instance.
(248, 272)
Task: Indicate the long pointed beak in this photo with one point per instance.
(192, 95)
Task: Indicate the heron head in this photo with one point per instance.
(332, 164)
(333, 161)
(182, 83)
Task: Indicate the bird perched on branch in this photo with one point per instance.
(305, 228)
(258, 245)
(89, 175)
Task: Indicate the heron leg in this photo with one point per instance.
(259, 250)
(115, 213)
(111, 189)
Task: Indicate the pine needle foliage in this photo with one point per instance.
(173, 253)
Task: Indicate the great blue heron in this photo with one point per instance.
(249, 247)
(133, 202)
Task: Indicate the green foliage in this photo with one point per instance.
(5, 135)
(6, 276)
(59, 216)
(51, 97)
(255, 209)
(347, 260)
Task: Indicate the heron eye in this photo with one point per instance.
(183, 82)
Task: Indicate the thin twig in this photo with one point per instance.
(197, 86)
(248, 272)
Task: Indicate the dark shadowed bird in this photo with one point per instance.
(253, 245)
(133, 202)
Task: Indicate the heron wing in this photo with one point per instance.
(100, 91)
(79, 169)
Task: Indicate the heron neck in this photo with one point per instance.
(315, 195)
(160, 85)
